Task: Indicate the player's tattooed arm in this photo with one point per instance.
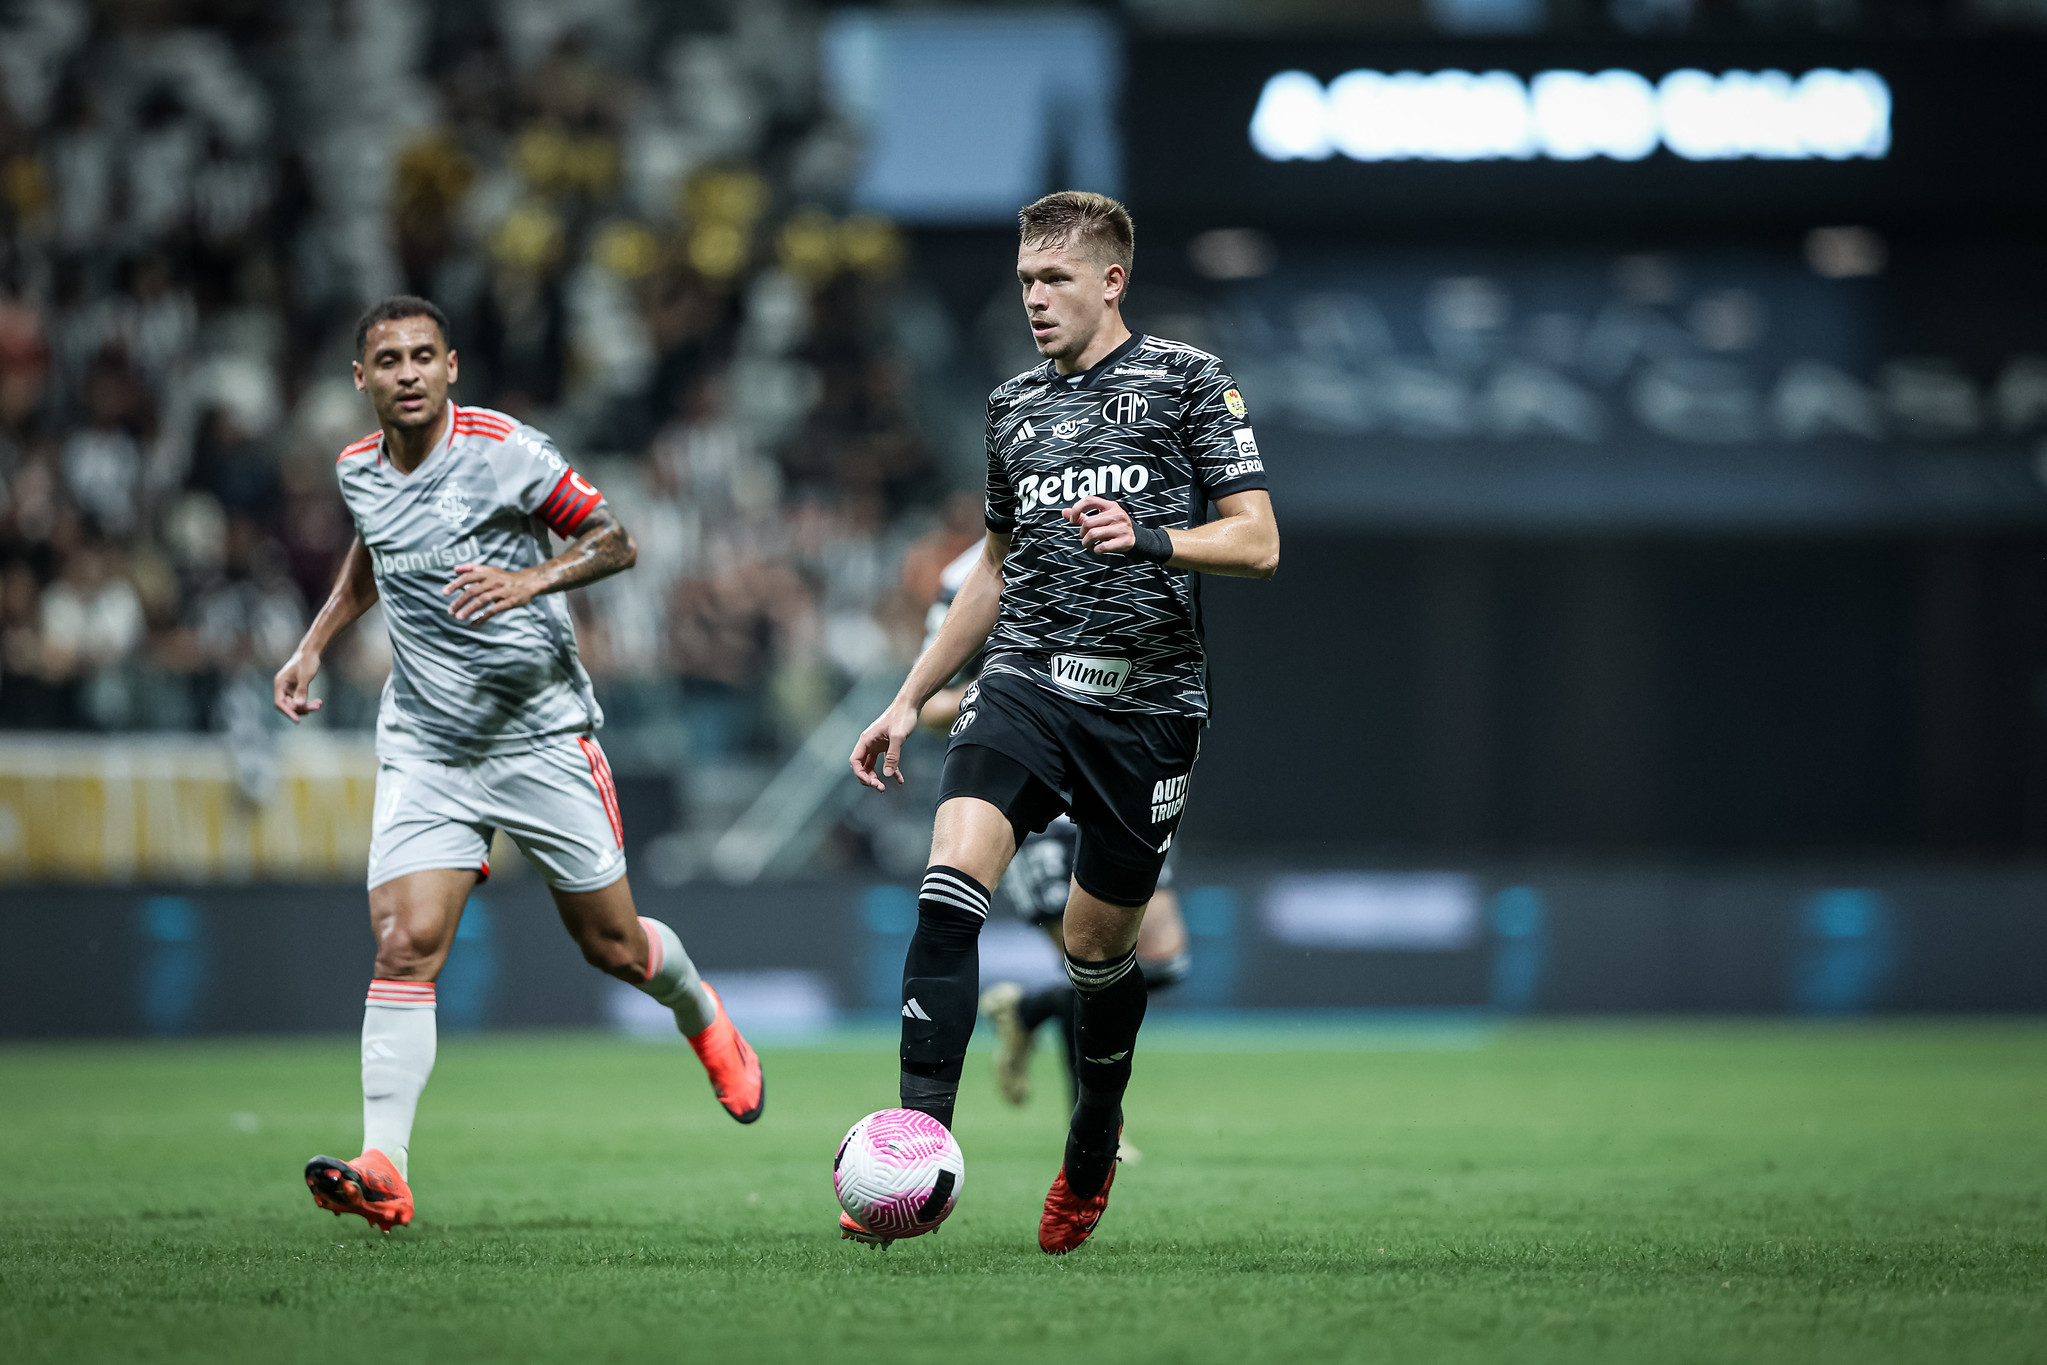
(354, 592)
(602, 547)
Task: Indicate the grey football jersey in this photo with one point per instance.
(487, 494)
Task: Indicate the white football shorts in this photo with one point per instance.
(556, 802)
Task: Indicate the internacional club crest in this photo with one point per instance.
(452, 506)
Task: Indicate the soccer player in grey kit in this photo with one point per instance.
(487, 723)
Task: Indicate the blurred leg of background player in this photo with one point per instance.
(1018, 1014)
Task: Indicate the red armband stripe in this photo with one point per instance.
(571, 501)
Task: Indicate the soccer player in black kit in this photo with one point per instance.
(1103, 466)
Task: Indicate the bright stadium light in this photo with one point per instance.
(1573, 116)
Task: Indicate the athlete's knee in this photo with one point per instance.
(1098, 927)
(406, 953)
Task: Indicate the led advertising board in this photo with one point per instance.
(1572, 115)
(1337, 135)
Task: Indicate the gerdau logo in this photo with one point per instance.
(1071, 484)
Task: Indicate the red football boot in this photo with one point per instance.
(369, 1185)
(734, 1069)
(1069, 1220)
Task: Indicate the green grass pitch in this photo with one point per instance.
(1567, 1192)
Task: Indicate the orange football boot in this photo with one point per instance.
(852, 1231)
(370, 1185)
(1069, 1220)
(734, 1069)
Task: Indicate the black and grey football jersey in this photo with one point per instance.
(1160, 428)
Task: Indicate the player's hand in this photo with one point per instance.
(291, 690)
(883, 742)
(1105, 527)
(483, 592)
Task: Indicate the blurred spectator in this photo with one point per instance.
(24, 361)
(631, 221)
(313, 526)
(156, 321)
(162, 157)
(29, 700)
(925, 560)
(37, 511)
(251, 615)
(232, 465)
(81, 158)
(90, 624)
(102, 460)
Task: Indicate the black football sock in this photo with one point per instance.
(941, 976)
(1111, 999)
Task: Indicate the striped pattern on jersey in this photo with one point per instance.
(1158, 427)
(488, 493)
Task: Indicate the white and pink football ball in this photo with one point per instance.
(899, 1173)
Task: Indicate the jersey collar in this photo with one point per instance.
(1087, 378)
(447, 439)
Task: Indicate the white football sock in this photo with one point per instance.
(672, 979)
(398, 1042)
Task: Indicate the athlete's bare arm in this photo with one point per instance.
(355, 592)
(1243, 542)
(965, 629)
(601, 549)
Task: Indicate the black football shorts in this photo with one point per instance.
(1121, 777)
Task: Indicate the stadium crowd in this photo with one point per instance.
(635, 216)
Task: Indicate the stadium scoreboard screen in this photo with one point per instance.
(1691, 134)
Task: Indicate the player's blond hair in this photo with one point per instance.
(1093, 224)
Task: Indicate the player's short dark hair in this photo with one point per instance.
(396, 307)
(1094, 224)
